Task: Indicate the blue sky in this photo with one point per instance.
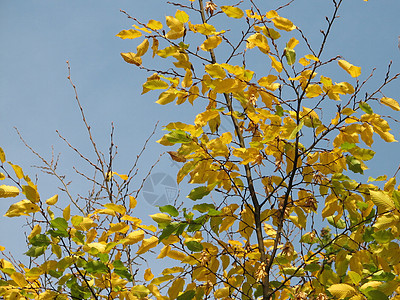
(38, 37)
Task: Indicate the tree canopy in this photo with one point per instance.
(280, 207)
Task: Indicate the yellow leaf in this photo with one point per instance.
(193, 93)
(31, 193)
(205, 29)
(18, 170)
(144, 29)
(275, 64)
(164, 251)
(129, 34)
(35, 231)
(349, 68)
(115, 207)
(167, 97)
(147, 244)
(304, 61)
(7, 191)
(232, 12)
(391, 103)
(176, 255)
(154, 25)
(222, 293)
(154, 46)
(53, 200)
(2, 176)
(382, 200)
(24, 207)
(81, 223)
(120, 227)
(292, 43)
(258, 40)
(313, 90)
(341, 290)
(131, 58)
(2, 155)
(2, 248)
(187, 80)
(215, 70)
(19, 279)
(204, 117)
(132, 202)
(175, 288)
(271, 33)
(148, 275)
(133, 237)
(161, 218)
(176, 26)
(91, 235)
(312, 57)
(101, 247)
(56, 249)
(142, 48)
(67, 212)
(283, 23)
(211, 43)
(268, 82)
(181, 16)
(271, 14)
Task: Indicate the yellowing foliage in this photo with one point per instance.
(281, 204)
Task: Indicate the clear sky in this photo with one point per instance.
(38, 37)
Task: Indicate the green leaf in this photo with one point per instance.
(35, 251)
(347, 146)
(178, 136)
(188, 295)
(198, 193)
(354, 277)
(96, 267)
(169, 209)
(341, 224)
(375, 295)
(40, 240)
(194, 246)
(312, 267)
(366, 107)
(383, 237)
(61, 225)
(363, 154)
(279, 110)
(167, 231)
(290, 55)
(354, 164)
(380, 178)
(204, 207)
(140, 291)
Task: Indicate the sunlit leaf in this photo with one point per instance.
(290, 55)
(232, 11)
(52, 200)
(393, 104)
(155, 25)
(147, 244)
(129, 34)
(7, 191)
(349, 68)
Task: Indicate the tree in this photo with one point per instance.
(271, 153)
